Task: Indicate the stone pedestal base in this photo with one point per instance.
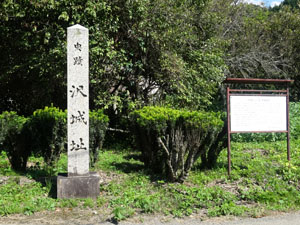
(78, 186)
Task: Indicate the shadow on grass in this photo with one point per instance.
(139, 168)
(38, 175)
(128, 167)
(46, 180)
(135, 156)
(218, 165)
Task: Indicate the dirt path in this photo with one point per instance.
(89, 217)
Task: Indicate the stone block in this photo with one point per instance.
(78, 186)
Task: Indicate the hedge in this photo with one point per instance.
(12, 140)
(98, 126)
(172, 140)
(45, 134)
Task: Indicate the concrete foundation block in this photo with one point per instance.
(87, 186)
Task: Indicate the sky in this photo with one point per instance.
(267, 3)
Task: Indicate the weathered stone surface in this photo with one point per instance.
(78, 186)
(78, 182)
(78, 100)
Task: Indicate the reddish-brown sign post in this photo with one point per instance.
(257, 111)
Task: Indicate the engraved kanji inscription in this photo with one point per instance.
(78, 46)
(77, 90)
(77, 146)
(79, 118)
(78, 60)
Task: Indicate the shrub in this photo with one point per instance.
(47, 132)
(98, 126)
(15, 145)
(172, 140)
(48, 128)
(295, 119)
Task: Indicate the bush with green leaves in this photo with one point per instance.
(295, 120)
(98, 126)
(44, 134)
(172, 140)
(12, 140)
(48, 129)
(47, 132)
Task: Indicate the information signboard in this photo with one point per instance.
(258, 113)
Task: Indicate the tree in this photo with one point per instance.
(140, 52)
(262, 42)
(33, 36)
(294, 4)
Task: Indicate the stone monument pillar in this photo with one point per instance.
(79, 182)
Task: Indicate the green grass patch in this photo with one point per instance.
(26, 199)
(262, 180)
(119, 161)
(5, 168)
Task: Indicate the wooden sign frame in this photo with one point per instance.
(261, 93)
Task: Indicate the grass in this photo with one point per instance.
(261, 180)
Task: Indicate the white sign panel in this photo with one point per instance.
(258, 113)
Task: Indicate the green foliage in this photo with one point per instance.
(140, 194)
(114, 159)
(258, 137)
(70, 203)
(262, 43)
(50, 126)
(294, 4)
(88, 203)
(278, 192)
(201, 76)
(261, 180)
(140, 51)
(295, 119)
(33, 71)
(121, 213)
(136, 195)
(25, 199)
(162, 51)
(98, 125)
(44, 134)
(5, 167)
(172, 140)
(159, 118)
(229, 208)
(12, 141)
(47, 132)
